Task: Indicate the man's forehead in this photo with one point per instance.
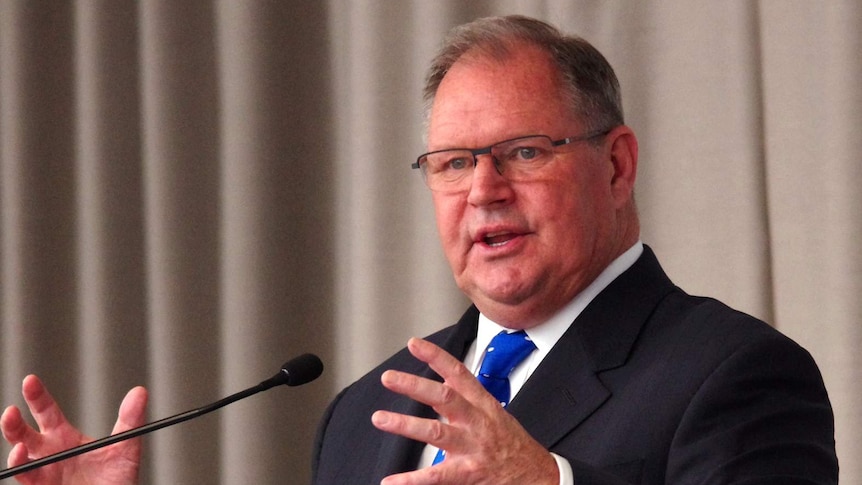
(485, 99)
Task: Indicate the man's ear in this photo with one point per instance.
(623, 154)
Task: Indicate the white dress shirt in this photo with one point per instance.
(545, 336)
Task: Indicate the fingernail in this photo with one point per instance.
(380, 418)
(389, 378)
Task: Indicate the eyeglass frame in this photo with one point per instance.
(475, 152)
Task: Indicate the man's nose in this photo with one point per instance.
(488, 184)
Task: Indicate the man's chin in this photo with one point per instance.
(506, 297)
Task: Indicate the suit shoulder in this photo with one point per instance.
(703, 318)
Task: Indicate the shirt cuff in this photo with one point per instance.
(566, 475)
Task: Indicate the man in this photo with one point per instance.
(625, 379)
(632, 380)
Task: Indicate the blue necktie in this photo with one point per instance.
(503, 354)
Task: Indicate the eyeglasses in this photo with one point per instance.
(451, 170)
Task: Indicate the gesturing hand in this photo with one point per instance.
(115, 464)
(484, 444)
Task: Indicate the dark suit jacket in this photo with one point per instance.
(649, 385)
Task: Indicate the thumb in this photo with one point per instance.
(132, 410)
(131, 415)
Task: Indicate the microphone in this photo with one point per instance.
(295, 372)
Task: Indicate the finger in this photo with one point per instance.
(438, 395)
(430, 431)
(44, 409)
(131, 415)
(16, 430)
(443, 363)
(434, 475)
(18, 456)
(453, 371)
(442, 397)
(132, 410)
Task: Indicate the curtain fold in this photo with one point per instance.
(191, 193)
(109, 233)
(813, 107)
(180, 108)
(276, 275)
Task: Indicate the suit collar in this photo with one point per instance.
(609, 326)
(458, 342)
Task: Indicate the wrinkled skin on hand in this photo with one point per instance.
(117, 464)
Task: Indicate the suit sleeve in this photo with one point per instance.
(321, 432)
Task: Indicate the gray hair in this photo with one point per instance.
(589, 82)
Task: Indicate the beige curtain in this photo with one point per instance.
(192, 192)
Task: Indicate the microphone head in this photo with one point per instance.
(301, 370)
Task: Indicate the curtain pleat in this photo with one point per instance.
(109, 233)
(276, 220)
(181, 182)
(813, 107)
(384, 229)
(191, 193)
(38, 193)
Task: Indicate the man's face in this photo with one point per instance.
(520, 250)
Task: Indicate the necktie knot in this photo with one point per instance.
(503, 354)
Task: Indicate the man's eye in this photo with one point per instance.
(458, 164)
(526, 153)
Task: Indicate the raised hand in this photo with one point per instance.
(115, 465)
(484, 444)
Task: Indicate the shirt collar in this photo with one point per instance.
(546, 334)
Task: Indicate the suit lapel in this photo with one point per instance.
(565, 389)
(561, 393)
